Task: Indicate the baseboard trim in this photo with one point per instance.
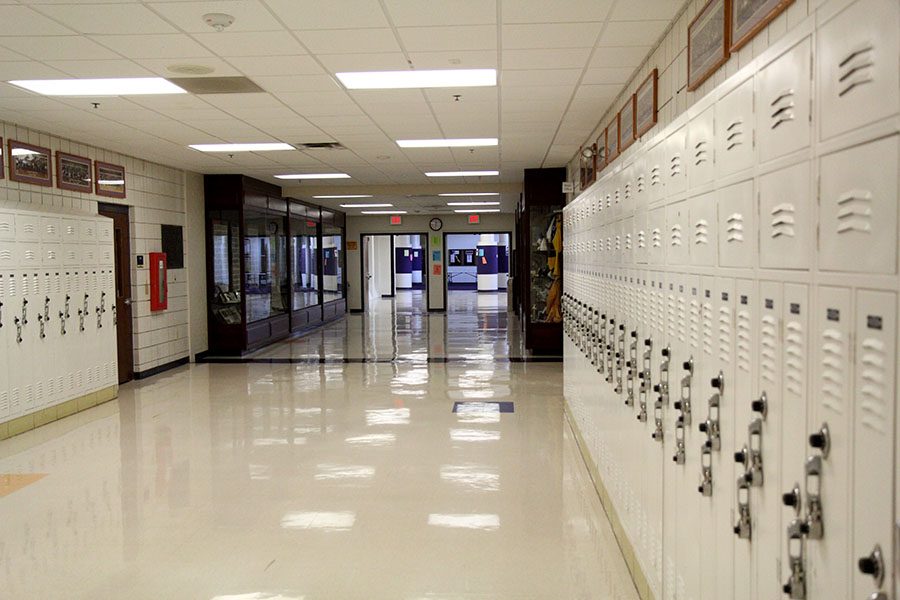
(161, 368)
(55, 413)
(634, 567)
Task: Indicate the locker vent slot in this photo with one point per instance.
(734, 134)
(5, 255)
(51, 230)
(701, 233)
(4, 403)
(783, 220)
(782, 109)
(743, 341)
(655, 178)
(618, 243)
(707, 313)
(627, 191)
(735, 228)
(676, 235)
(855, 212)
(29, 228)
(874, 361)
(15, 400)
(695, 324)
(701, 155)
(769, 345)
(793, 357)
(641, 239)
(6, 227)
(51, 255)
(834, 361)
(675, 166)
(30, 255)
(656, 236)
(855, 69)
(640, 184)
(682, 320)
(628, 241)
(725, 333)
(671, 315)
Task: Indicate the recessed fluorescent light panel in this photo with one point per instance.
(314, 176)
(366, 205)
(343, 196)
(463, 173)
(464, 195)
(383, 212)
(473, 203)
(448, 143)
(137, 86)
(395, 80)
(264, 147)
(478, 210)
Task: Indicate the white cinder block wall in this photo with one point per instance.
(157, 195)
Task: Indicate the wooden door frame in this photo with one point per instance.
(106, 209)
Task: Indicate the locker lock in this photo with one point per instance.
(821, 440)
(718, 382)
(873, 565)
(761, 405)
(793, 499)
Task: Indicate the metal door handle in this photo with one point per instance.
(127, 301)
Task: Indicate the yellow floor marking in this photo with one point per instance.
(13, 482)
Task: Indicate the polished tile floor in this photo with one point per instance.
(317, 481)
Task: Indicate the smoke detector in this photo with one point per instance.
(218, 21)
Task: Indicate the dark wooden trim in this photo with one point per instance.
(162, 368)
(622, 143)
(737, 44)
(726, 46)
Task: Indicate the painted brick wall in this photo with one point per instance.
(157, 195)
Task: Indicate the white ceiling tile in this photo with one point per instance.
(249, 15)
(449, 39)
(22, 20)
(176, 46)
(114, 19)
(161, 66)
(464, 59)
(556, 11)
(336, 63)
(551, 58)
(59, 47)
(181, 101)
(7, 54)
(614, 75)
(297, 83)
(543, 92)
(632, 33)
(227, 43)
(511, 78)
(410, 13)
(646, 10)
(631, 56)
(333, 14)
(468, 97)
(100, 68)
(27, 70)
(551, 35)
(243, 101)
(349, 41)
(274, 66)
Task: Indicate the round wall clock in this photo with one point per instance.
(436, 224)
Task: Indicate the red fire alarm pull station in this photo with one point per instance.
(474, 219)
(159, 287)
(396, 220)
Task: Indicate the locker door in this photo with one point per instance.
(830, 556)
(734, 130)
(707, 524)
(787, 224)
(858, 218)
(18, 330)
(656, 241)
(770, 551)
(657, 173)
(724, 495)
(641, 182)
(678, 235)
(641, 241)
(7, 332)
(627, 179)
(782, 118)
(857, 66)
(874, 405)
(737, 226)
(675, 165)
(628, 236)
(745, 374)
(701, 166)
(28, 227)
(703, 238)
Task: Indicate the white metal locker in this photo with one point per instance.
(784, 91)
(830, 558)
(641, 238)
(787, 233)
(703, 233)
(7, 333)
(708, 524)
(701, 165)
(657, 172)
(675, 164)
(737, 233)
(874, 405)
(858, 208)
(857, 66)
(734, 130)
(657, 236)
(678, 233)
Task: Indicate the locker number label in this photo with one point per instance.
(833, 314)
(874, 322)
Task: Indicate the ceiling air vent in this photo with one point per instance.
(320, 146)
(217, 85)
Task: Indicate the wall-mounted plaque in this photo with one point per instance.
(612, 139)
(748, 17)
(73, 173)
(109, 180)
(626, 124)
(29, 164)
(708, 46)
(646, 105)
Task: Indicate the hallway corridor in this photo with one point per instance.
(318, 479)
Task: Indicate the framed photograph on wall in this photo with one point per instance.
(708, 45)
(29, 164)
(626, 124)
(2, 170)
(748, 17)
(109, 180)
(646, 104)
(601, 151)
(612, 140)
(73, 173)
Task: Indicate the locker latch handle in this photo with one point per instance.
(795, 587)
(18, 323)
(744, 527)
(814, 527)
(25, 311)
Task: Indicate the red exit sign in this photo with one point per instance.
(396, 220)
(474, 219)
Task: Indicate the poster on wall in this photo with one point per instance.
(748, 17)
(109, 180)
(73, 173)
(29, 164)
(456, 259)
(708, 47)
(646, 105)
(469, 258)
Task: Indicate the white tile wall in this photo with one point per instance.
(157, 195)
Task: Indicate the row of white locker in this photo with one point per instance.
(777, 225)
(673, 378)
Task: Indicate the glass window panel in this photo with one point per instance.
(225, 297)
(333, 262)
(304, 263)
